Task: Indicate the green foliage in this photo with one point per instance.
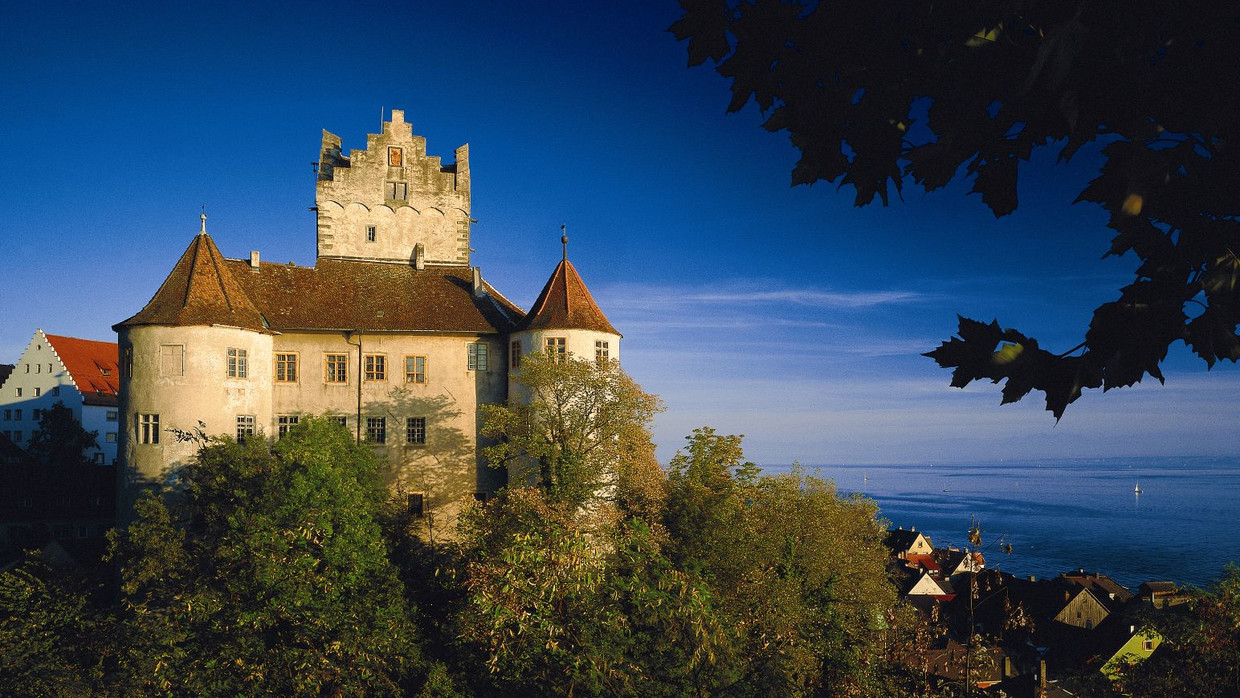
(51, 641)
(1201, 644)
(559, 603)
(60, 439)
(269, 575)
(873, 94)
(583, 423)
(799, 573)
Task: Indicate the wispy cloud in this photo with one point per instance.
(751, 292)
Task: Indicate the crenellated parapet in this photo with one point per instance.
(381, 203)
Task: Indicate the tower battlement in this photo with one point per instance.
(380, 203)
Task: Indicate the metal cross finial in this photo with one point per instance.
(203, 229)
(564, 239)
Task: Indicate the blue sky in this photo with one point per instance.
(781, 313)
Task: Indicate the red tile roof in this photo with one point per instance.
(204, 288)
(199, 291)
(566, 304)
(92, 365)
(348, 294)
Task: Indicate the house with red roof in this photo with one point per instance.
(69, 502)
(392, 332)
(81, 373)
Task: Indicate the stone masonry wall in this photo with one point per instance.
(381, 202)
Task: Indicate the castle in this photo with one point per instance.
(391, 332)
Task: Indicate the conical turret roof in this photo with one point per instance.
(200, 291)
(566, 304)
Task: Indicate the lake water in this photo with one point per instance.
(1062, 515)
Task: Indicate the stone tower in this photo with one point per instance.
(564, 321)
(392, 202)
(194, 353)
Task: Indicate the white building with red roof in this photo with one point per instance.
(81, 373)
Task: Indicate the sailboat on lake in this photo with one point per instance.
(1137, 489)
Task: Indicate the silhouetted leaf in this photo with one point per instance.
(1157, 84)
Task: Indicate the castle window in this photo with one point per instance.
(8, 414)
(478, 356)
(127, 361)
(98, 459)
(245, 426)
(36, 415)
(17, 414)
(376, 430)
(556, 347)
(56, 390)
(336, 368)
(601, 353)
(284, 423)
(416, 501)
(415, 430)
(286, 368)
(415, 369)
(238, 363)
(17, 437)
(370, 233)
(148, 428)
(396, 157)
(112, 415)
(171, 360)
(17, 392)
(38, 392)
(514, 354)
(376, 367)
(110, 437)
(397, 191)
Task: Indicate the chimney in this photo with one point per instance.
(419, 256)
(479, 290)
(254, 260)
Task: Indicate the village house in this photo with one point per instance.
(80, 373)
(392, 332)
(904, 544)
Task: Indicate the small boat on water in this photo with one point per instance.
(1137, 489)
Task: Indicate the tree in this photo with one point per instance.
(585, 423)
(267, 574)
(873, 94)
(60, 439)
(556, 603)
(798, 571)
(52, 643)
(1201, 643)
